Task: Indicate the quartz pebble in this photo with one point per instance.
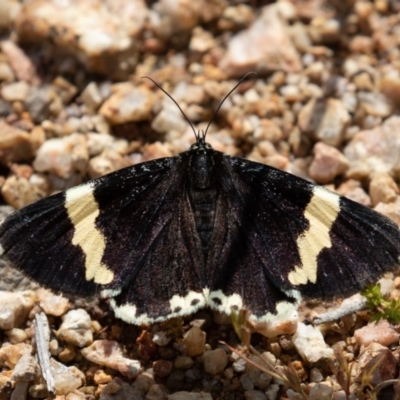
(91, 97)
(75, 395)
(286, 342)
(328, 163)
(27, 368)
(379, 332)
(97, 143)
(101, 37)
(16, 91)
(18, 191)
(353, 190)
(265, 45)
(38, 390)
(67, 354)
(258, 378)
(272, 391)
(390, 87)
(108, 161)
(15, 308)
(310, 343)
(42, 102)
(238, 16)
(144, 381)
(316, 375)
(246, 382)
(379, 361)
(254, 395)
(162, 368)
(21, 64)
(292, 395)
(157, 392)
(390, 210)
(167, 120)
(194, 341)
(176, 17)
(100, 377)
(324, 120)
(239, 365)
(16, 335)
(76, 328)
(117, 389)
(321, 392)
(201, 40)
(128, 103)
(109, 354)
(183, 362)
(10, 355)
(215, 361)
(383, 189)
(15, 144)
(66, 379)
(161, 338)
(341, 395)
(6, 73)
(51, 303)
(374, 104)
(63, 156)
(5, 384)
(375, 150)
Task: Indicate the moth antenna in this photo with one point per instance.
(196, 135)
(226, 96)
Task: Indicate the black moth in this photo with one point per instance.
(167, 237)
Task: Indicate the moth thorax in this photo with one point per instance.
(203, 194)
(201, 173)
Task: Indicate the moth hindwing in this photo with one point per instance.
(167, 237)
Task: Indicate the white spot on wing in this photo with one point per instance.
(284, 310)
(110, 293)
(217, 300)
(321, 213)
(83, 210)
(185, 302)
(183, 305)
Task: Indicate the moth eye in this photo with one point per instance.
(235, 308)
(217, 301)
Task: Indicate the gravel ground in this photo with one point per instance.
(324, 105)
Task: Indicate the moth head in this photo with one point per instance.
(200, 143)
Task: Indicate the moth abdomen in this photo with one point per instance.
(204, 214)
(203, 194)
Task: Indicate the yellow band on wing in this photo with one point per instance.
(321, 213)
(83, 210)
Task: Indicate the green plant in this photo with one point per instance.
(381, 306)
